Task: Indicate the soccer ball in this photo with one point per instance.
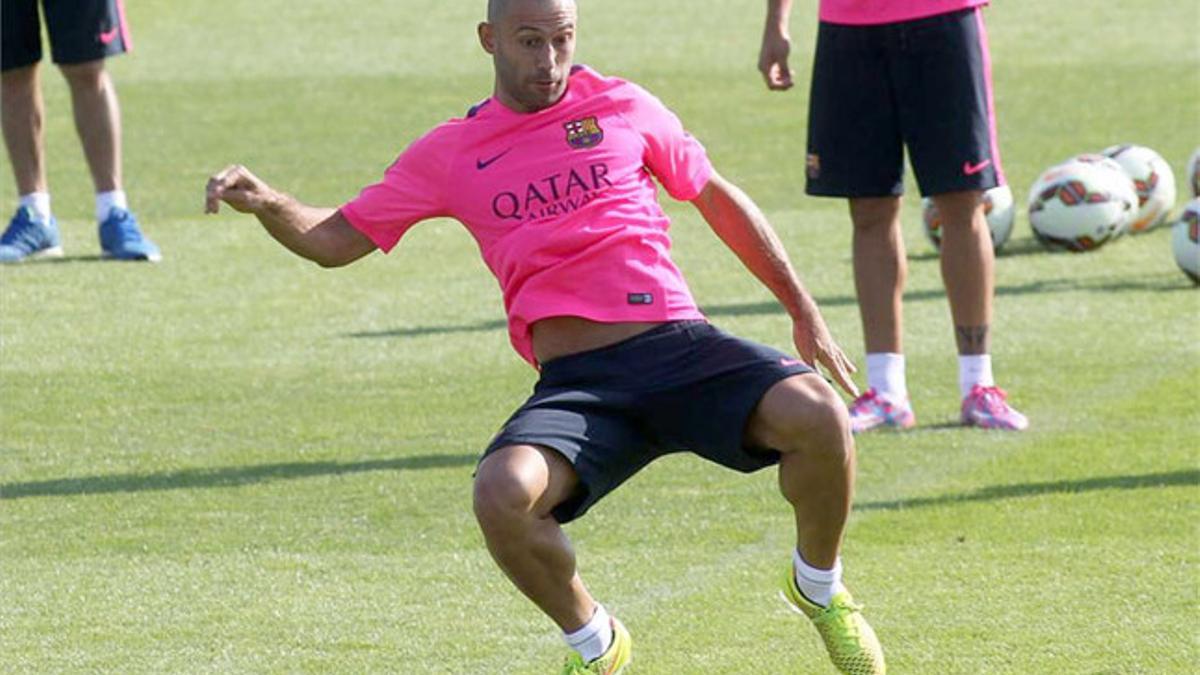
(1193, 173)
(1185, 241)
(1079, 205)
(997, 207)
(1110, 165)
(1152, 179)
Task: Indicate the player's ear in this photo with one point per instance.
(487, 37)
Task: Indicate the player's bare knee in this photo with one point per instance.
(807, 415)
(875, 216)
(503, 491)
(827, 421)
(19, 81)
(90, 75)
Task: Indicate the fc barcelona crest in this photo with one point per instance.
(584, 133)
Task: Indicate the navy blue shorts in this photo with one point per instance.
(80, 31)
(924, 85)
(682, 386)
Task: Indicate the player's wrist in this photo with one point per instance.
(274, 203)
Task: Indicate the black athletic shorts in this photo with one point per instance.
(684, 385)
(924, 85)
(80, 31)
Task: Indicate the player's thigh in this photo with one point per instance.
(795, 411)
(944, 90)
(854, 141)
(596, 446)
(86, 30)
(20, 34)
(716, 383)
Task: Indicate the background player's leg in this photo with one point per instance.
(516, 488)
(32, 231)
(967, 267)
(22, 113)
(968, 263)
(880, 270)
(97, 120)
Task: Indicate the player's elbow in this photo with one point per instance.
(329, 261)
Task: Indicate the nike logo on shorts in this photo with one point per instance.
(107, 36)
(481, 164)
(972, 169)
(790, 362)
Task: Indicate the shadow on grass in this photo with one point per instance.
(60, 260)
(995, 492)
(1159, 282)
(220, 477)
(416, 331)
(1013, 249)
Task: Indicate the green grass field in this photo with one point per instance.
(237, 462)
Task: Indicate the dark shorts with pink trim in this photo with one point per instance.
(682, 386)
(922, 85)
(80, 31)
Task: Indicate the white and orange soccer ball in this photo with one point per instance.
(997, 206)
(1152, 179)
(1193, 173)
(1185, 241)
(1080, 205)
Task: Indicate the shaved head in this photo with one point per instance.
(498, 9)
(532, 44)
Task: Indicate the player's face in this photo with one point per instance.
(533, 48)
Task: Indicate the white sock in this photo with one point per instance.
(974, 369)
(885, 373)
(107, 201)
(594, 638)
(817, 585)
(39, 203)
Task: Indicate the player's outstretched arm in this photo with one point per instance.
(739, 223)
(776, 45)
(319, 234)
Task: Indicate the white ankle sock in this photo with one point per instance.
(39, 203)
(817, 585)
(594, 638)
(106, 201)
(974, 369)
(885, 373)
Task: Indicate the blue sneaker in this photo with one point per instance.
(120, 238)
(27, 237)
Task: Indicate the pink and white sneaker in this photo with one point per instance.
(873, 410)
(987, 408)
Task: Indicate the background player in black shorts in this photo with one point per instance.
(891, 76)
(82, 34)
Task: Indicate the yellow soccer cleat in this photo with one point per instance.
(611, 662)
(851, 642)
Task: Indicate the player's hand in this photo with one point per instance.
(773, 60)
(239, 188)
(816, 346)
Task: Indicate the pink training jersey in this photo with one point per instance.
(561, 201)
(867, 12)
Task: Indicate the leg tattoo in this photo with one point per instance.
(972, 339)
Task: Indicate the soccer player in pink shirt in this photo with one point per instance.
(891, 75)
(555, 176)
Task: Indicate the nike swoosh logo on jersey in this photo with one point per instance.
(107, 36)
(972, 169)
(482, 164)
